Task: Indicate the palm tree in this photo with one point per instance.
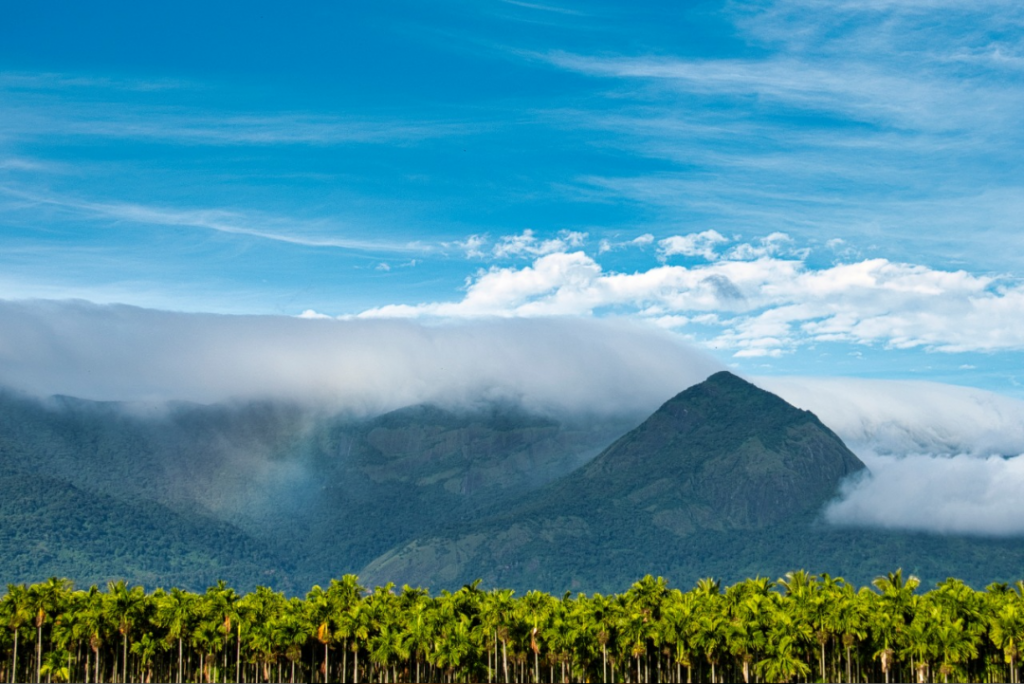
(1006, 630)
(893, 611)
(319, 614)
(419, 632)
(176, 613)
(125, 605)
(15, 611)
(94, 624)
(783, 661)
(146, 647)
(535, 608)
(291, 629)
(342, 594)
(45, 599)
(220, 601)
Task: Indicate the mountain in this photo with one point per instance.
(723, 480)
(721, 455)
(310, 494)
(52, 528)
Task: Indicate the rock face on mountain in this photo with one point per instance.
(722, 457)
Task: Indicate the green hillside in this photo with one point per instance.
(53, 528)
(724, 479)
(318, 493)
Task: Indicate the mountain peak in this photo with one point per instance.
(725, 454)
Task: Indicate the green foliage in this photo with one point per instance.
(802, 626)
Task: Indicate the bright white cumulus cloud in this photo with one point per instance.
(758, 298)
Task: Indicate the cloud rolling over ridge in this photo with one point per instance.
(942, 459)
(362, 366)
(936, 452)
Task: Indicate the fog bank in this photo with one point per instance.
(362, 366)
(942, 459)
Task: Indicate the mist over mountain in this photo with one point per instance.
(316, 495)
(358, 367)
(724, 479)
(333, 446)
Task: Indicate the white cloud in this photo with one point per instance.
(766, 305)
(362, 366)
(942, 459)
(606, 245)
(695, 244)
(900, 417)
(960, 494)
(528, 244)
(473, 246)
(769, 246)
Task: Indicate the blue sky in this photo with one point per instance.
(800, 187)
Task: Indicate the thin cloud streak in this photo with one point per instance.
(219, 220)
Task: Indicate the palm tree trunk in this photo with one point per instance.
(179, 660)
(238, 653)
(355, 668)
(124, 659)
(823, 662)
(14, 663)
(327, 666)
(39, 650)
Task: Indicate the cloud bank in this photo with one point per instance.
(944, 495)
(942, 459)
(362, 366)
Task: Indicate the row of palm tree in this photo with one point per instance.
(802, 627)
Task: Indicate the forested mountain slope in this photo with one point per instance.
(724, 480)
(313, 495)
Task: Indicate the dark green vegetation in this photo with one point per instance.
(802, 627)
(258, 493)
(724, 480)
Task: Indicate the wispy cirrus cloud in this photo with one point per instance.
(228, 221)
(888, 122)
(69, 106)
(229, 129)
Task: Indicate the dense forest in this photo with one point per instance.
(802, 627)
